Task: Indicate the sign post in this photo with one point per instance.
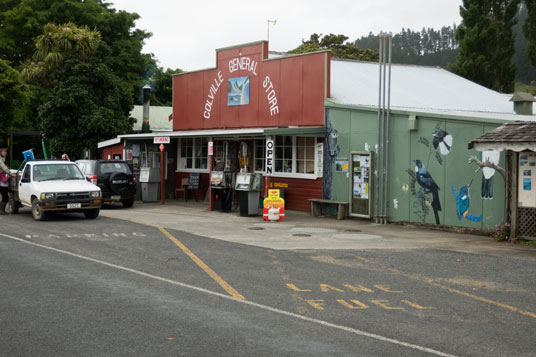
(162, 175)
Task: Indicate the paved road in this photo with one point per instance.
(72, 286)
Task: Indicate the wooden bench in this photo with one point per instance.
(316, 207)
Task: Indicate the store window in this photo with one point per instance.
(295, 155)
(260, 155)
(193, 154)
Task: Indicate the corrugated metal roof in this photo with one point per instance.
(418, 88)
(158, 118)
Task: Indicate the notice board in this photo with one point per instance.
(194, 182)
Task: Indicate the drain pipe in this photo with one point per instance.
(378, 201)
(386, 137)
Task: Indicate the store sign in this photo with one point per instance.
(161, 140)
(237, 87)
(269, 157)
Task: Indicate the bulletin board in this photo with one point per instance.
(361, 170)
(526, 196)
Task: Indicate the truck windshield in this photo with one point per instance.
(49, 172)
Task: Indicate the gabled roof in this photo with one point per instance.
(522, 97)
(418, 88)
(517, 136)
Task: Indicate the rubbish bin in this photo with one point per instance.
(249, 203)
(150, 182)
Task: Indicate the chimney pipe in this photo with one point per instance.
(522, 103)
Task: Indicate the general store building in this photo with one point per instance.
(309, 124)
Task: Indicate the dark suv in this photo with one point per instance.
(114, 177)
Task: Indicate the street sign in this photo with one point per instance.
(161, 147)
(161, 140)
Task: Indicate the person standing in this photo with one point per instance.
(5, 174)
(65, 157)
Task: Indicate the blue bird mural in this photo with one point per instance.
(425, 180)
(463, 200)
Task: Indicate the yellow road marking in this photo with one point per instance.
(456, 291)
(203, 266)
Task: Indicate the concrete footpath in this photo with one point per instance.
(299, 230)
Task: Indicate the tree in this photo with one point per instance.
(14, 99)
(22, 21)
(55, 45)
(162, 83)
(529, 29)
(87, 102)
(428, 47)
(487, 43)
(339, 48)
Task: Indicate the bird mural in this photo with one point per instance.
(463, 200)
(425, 180)
(442, 139)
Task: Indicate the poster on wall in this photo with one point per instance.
(526, 195)
(341, 164)
(238, 93)
(135, 150)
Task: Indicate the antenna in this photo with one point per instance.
(273, 22)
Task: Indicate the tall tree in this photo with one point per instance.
(487, 43)
(88, 103)
(162, 86)
(529, 29)
(14, 99)
(22, 21)
(338, 46)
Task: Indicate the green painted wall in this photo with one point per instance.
(358, 131)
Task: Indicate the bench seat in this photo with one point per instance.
(316, 207)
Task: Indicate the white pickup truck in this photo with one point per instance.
(48, 186)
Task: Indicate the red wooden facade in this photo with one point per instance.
(110, 151)
(287, 91)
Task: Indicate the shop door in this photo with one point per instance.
(361, 189)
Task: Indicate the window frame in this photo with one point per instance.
(196, 144)
(294, 174)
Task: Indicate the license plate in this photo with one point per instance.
(74, 205)
(115, 198)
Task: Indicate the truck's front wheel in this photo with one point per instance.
(92, 213)
(37, 213)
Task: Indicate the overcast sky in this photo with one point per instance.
(187, 33)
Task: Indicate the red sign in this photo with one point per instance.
(161, 147)
(211, 148)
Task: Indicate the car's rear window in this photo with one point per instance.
(113, 167)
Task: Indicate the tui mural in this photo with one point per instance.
(428, 185)
(463, 200)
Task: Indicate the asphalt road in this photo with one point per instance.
(72, 286)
